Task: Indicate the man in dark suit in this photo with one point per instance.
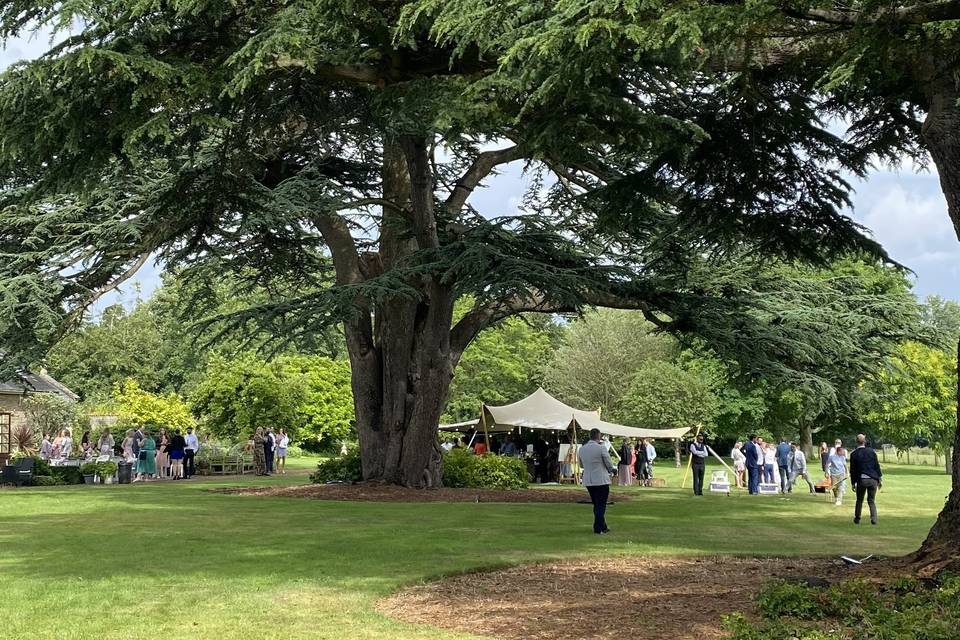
(754, 462)
(866, 477)
(268, 446)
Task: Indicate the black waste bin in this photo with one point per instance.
(124, 472)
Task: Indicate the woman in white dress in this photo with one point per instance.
(282, 445)
(739, 464)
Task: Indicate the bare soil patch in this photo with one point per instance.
(649, 598)
(369, 492)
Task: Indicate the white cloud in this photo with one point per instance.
(907, 214)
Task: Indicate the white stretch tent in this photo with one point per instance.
(542, 411)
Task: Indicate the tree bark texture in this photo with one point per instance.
(941, 135)
(941, 549)
(399, 346)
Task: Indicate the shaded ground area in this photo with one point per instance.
(658, 598)
(366, 492)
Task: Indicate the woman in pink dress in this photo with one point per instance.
(127, 447)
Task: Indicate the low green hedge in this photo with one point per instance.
(901, 609)
(462, 469)
(67, 475)
(340, 469)
(56, 475)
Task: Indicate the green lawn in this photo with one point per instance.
(172, 560)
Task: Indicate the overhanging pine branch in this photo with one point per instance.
(483, 165)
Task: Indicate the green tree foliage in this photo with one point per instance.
(268, 140)
(662, 395)
(310, 397)
(141, 408)
(234, 397)
(325, 413)
(741, 404)
(121, 345)
(504, 364)
(942, 318)
(49, 413)
(164, 343)
(599, 356)
(914, 398)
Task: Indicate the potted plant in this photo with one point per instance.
(106, 471)
(89, 472)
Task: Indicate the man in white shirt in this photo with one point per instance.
(597, 469)
(651, 456)
(189, 451)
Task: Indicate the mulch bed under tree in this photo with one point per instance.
(374, 492)
(656, 598)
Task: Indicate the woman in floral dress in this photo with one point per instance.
(259, 456)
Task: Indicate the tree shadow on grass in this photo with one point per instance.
(377, 546)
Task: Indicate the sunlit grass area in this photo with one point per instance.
(173, 560)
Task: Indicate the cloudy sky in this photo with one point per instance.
(904, 210)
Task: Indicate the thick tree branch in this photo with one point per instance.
(76, 314)
(349, 268)
(916, 14)
(358, 73)
(412, 67)
(343, 249)
(421, 191)
(483, 165)
(368, 202)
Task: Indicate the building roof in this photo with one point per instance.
(36, 382)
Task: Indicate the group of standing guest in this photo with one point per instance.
(168, 456)
(636, 461)
(269, 451)
(758, 462)
(59, 447)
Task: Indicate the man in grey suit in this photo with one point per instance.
(597, 468)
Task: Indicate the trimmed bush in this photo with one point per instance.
(67, 475)
(44, 481)
(340, 469)
(293, 451)
(461, 469)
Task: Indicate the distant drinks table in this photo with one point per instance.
(76, 462)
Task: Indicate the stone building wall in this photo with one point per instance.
(11, 403)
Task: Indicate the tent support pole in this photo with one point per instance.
(715, 455)
(483, 421)
(686, 473)
(575, 453)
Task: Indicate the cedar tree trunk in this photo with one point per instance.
(941, 135)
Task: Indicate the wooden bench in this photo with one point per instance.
(231, 465)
